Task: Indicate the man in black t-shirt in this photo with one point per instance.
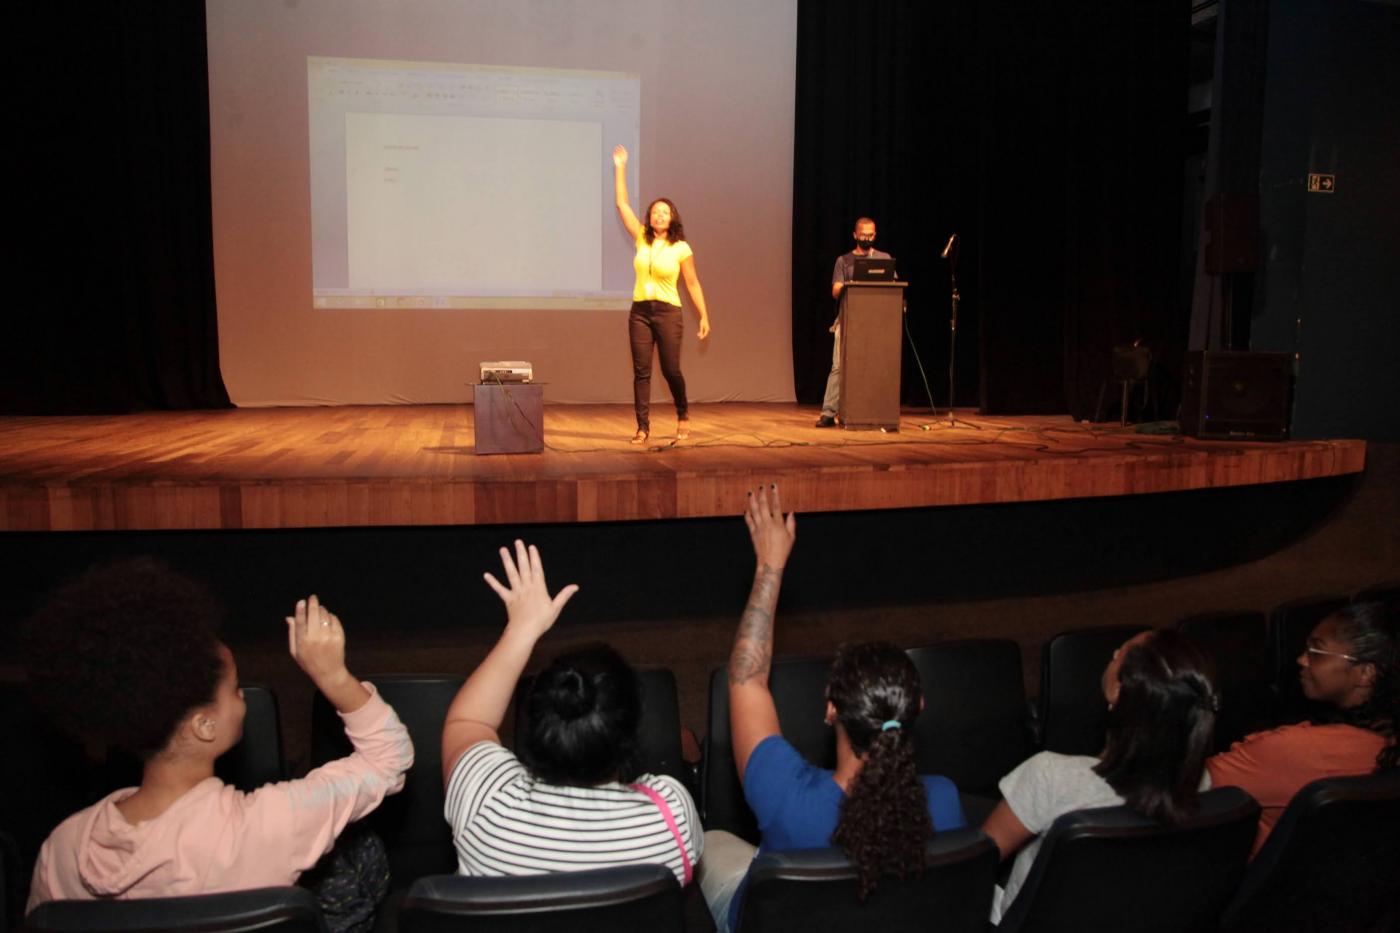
(864, 234)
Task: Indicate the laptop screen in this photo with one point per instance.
(867, 269)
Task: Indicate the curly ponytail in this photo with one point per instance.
(884, 825)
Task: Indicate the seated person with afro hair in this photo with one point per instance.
(126, 656)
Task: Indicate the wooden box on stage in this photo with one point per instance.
(509, 418)
(872, 318)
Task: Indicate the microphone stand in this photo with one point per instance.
(952, 256)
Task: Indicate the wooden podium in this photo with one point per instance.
(871, 321)
(509, 417)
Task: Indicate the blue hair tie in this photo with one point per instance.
(890, 724)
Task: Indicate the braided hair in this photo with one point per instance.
(884, 824)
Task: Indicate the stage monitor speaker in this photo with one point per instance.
(1234, 394)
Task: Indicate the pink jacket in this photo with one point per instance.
(217, 838)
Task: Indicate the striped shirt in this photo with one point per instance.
(507, 822)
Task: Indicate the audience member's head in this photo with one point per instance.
(582, 715)
(874, 697)
(1162, 705)
(126, 655)
(1352, 661)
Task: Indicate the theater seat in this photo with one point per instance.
(416, 835)
(266, 910)
(815, 889)
(1237, 644)
(799, 691)
(13, 883)
(628, 897)
(1110, 869)
(1072, 710)
(1332, 862)
(974, 727)
(257, 758)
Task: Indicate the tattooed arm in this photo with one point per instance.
(752, 714)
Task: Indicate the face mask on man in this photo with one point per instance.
(865, 244)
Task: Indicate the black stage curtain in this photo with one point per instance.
(1049, 137)
(118, 241)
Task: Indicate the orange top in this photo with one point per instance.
(1273, 766)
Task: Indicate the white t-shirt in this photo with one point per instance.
(506, 822)
(1040, 789)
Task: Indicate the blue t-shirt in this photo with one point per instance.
(798, 804)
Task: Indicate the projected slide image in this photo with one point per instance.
(434, 202)
(467, 186)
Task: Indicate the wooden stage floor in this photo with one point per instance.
(416, 465)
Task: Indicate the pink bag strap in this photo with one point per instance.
(670, 824)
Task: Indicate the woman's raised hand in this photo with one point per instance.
(771, 534)
(529, 608)
(620, 156)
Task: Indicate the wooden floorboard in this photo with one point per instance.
(416, 465)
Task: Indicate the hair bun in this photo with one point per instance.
(572, 694)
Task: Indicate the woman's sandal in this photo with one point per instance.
(640, 437)
(682, 430)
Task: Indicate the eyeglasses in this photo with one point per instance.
(1319, 652)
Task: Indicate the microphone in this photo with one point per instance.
(948, 248)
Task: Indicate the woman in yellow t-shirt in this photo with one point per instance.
(663, 256)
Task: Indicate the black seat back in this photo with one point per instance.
(418, 839)
(1332, 861)
(44, 779)
(603, 900)
(816, 889)
(265, 910)
(1073, 712)
(799, 691)
(257, 758)
(1110, 869)
(973, 742)
(1238, 646)
(13, 883)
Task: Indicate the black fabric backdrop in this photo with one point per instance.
(1050, 137)
(116, 242)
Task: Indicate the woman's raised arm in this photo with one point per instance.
(624, 207)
